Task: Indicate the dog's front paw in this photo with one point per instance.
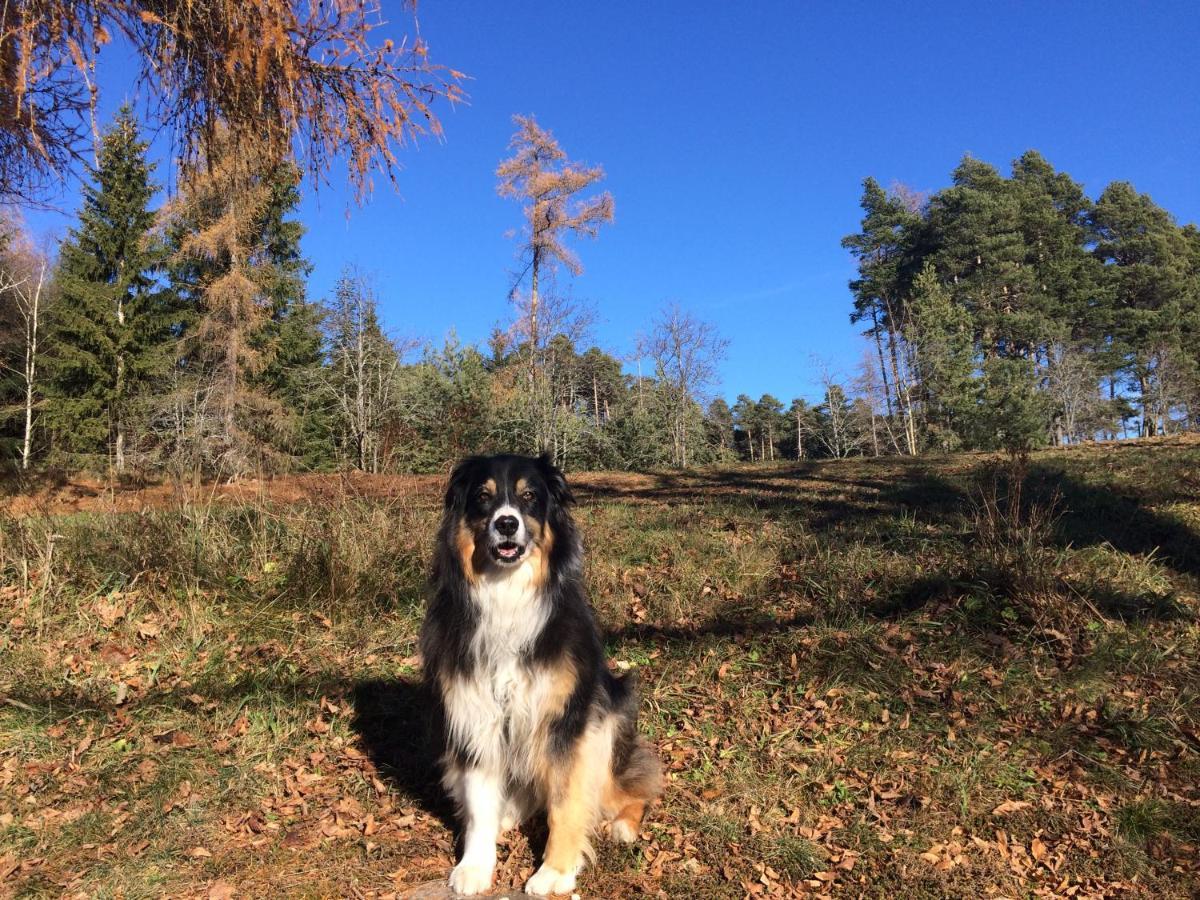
(547, 881)
(469, 879)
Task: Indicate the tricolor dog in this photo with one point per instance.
(531, 716)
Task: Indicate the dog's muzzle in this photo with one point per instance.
(509, 539)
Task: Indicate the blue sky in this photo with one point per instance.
(735, 138)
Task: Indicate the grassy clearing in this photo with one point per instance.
(861, 685)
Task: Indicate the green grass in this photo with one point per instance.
(858, 683)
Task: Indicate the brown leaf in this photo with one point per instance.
(109, 610)
(148, 628)
(1037, 849)
(1010, 806)
(199, 853)
(221, 890)
(115, 655)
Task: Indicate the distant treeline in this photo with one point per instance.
(1000, 312)
(181, 341)
(1012, 312)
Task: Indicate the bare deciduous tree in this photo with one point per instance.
(1074, 390)
(870, 387)
(842, 431)
(686, 353)
(23, 281)
(363, 365)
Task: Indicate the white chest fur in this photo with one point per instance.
(495, 712)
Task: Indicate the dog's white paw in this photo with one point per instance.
(623, 832)
(547, 881)
(469, 878)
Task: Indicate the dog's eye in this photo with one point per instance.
(484, 496)
(528, 496)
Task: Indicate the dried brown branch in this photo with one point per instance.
(302, 76)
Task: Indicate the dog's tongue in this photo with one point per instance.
(508, 552)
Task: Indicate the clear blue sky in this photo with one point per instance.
(735, 138)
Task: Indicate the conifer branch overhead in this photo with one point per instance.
(303, 76)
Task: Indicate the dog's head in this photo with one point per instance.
(503, 511)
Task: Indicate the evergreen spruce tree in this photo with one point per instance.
(114, 332)
(294, 377)
(292, 335)
(1011, 413)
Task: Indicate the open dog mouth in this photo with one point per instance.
(507, 551)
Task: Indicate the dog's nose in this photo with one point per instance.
(507, 525)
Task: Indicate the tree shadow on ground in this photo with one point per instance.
(820, 495)
(1137, 607)
(825, 496)
(396, 722)
(1095, 514)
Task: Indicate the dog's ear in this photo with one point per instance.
(460, 483)
(555, 481)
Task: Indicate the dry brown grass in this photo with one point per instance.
(849, 691)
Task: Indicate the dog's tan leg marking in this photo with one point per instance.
(573, 810)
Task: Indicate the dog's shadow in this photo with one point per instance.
(396, 722)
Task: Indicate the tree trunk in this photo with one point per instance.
(1147, 428)
(533, 307)
(33, 314)
(30, 371)
(887, 388)
(903, 395)
(119, 417)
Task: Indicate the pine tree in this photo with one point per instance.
(975, 228)
(1052, 216)
(801, 423)
(745, 418)
(941, 336)
(114, 332)
(887, 248)
(1146, 273)
(770, 417)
